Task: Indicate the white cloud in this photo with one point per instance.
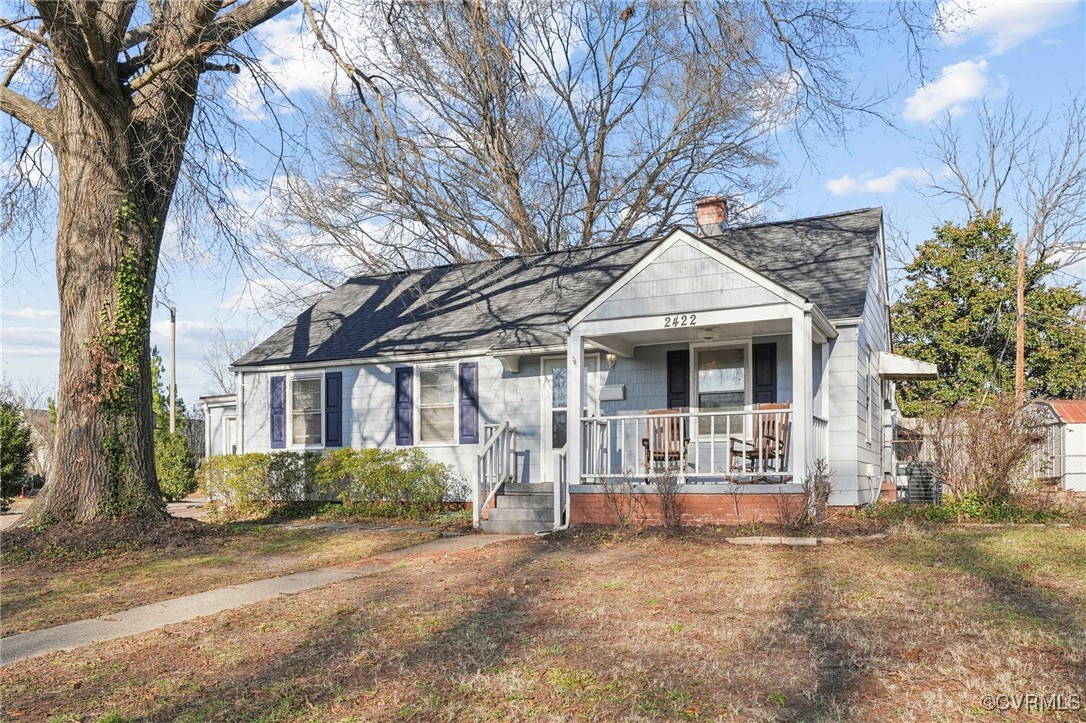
(26, 337)
(289, 54)
(1003, 25)
(280, 297)
(869, 183)
(957, 85)
(28, 313)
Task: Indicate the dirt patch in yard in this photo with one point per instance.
(919, 626)
(71, 572)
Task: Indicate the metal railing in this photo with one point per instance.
(748, 445)
(497, 465)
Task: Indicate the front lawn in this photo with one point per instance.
(919, 626)
(72, 573)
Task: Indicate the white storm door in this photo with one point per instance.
(557, 421)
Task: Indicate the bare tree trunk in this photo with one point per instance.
(108, 236)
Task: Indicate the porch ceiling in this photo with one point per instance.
(682, 335)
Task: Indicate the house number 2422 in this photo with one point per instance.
(680, 320)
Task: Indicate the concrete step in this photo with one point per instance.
(523, 488)
(525, 501)
(514, 527)
(521, 514)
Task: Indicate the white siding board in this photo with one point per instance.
(681, 280)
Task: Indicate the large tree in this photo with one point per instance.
(112, 88)
(958, 311)
(523, 127)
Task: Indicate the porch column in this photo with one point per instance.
(802, 402)
(575, 404)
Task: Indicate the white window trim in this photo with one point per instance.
(227, 421)
(307, 374)
(744, 343)
(416, 404)
(748, 382)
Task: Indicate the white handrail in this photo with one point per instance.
(497, 465)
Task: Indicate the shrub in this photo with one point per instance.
(175, 464)
(373, 482)
(980, 452)
(15, 450)
(382, 482)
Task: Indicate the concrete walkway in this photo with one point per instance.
(149, 617)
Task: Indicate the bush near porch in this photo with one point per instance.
(374, 482)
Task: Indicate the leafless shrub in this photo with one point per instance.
(623, 501)
(671, 504)
(980, 451)
(809, 508)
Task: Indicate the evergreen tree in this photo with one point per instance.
(958, 311)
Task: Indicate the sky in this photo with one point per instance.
(1034, 52)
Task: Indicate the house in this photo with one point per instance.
(1060, 459)
(728, 358)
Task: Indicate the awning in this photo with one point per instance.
(901, 368)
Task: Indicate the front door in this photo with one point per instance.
(557, 422)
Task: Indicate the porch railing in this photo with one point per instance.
(497, 465)
(739, 446)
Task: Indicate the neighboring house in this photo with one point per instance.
(220, 425)
(734, 355)
(1061, 457)
(41, 436)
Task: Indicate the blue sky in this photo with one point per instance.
(1035, 51)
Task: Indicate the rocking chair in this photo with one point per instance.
(667, 442)
(769, 445)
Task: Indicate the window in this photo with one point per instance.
(721, 384)
(305, 410)
(437, 404)
(558, 407)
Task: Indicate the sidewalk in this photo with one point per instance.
(156, 615)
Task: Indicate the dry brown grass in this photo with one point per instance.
(651, 627)
(51, 582)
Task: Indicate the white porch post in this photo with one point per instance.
(802, 402)
(575, 404)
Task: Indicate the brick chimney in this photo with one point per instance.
(712, 214)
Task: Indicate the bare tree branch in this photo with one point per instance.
(29, 113)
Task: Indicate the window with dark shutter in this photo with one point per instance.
(278, 412)
(469, 403)
(333, 409)
(404, 411)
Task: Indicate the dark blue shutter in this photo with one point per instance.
(469, 403)
(404, 410)
(278, 412)
(333, 409)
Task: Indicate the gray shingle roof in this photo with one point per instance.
(519, 302)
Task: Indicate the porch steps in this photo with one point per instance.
(521, 509)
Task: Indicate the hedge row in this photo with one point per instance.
(380, 482)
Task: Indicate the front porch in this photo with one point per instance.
(740, 399)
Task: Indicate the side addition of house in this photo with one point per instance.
(729, 360)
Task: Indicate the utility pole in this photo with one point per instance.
(173, 369)
(1020, 347)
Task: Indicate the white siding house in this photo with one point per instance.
(738, 357)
